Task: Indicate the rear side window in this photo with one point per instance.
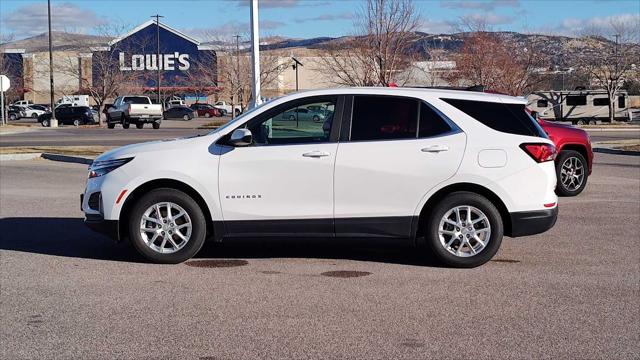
(431, 122)
(384, 118)
(508, 118)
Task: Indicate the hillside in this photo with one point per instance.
(61, 41)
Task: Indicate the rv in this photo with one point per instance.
(74, 100)
(585, 106)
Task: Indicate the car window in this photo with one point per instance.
(383, 118)
(576, 100)
(508, 118)
(136, 100)
(432, 122)
(293, 127)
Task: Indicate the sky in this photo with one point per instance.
(208, 19)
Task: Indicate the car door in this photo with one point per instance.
(395, 150)
(62, 114)
(282, 184)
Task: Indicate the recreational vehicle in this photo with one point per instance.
(584, 106)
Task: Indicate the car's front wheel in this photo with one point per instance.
(464, 230)
(167, 226)
(572, 173)
(45, 123)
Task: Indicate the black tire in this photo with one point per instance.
(13, 117)
(125, 125)
(34, 115)
(111, 125)
(156, 125)
(207, 115)
(139, 125)
(571, 189)
(198, 232)
(462, 198)
(45, 123)
(186, 118)
(223, 112)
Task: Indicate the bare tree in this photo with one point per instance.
(379, 50)
(613, 63)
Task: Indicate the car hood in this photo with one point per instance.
(176, 144)
(564, 127)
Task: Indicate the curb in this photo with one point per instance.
(67, 158)
(616, 151)
(609, 129)
(25, 156)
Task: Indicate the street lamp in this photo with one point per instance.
(158, 52)
(295, 65)
(54, 121)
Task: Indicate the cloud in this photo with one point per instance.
(230, 28)
(327, 17)
(30, 20)
(436, 27)
(487, 19)
(265, 4)
(480, 5)
(603, 25)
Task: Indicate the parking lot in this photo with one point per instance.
(69, 293)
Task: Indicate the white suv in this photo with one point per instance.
(453, 170)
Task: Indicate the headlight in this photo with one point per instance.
(99, 168)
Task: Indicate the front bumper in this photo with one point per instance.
(525, 223)
(106, 227)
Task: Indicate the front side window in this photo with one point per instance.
(297, 124)
(384, 118)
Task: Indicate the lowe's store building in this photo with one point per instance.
(187, 67)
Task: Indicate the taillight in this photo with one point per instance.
(540, 152)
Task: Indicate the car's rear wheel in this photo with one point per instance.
(572, 172)
(207, 115)
(167, 226)
(13, 117)
(156, 125)
(185, 118)
(139, 125)
(464, 230)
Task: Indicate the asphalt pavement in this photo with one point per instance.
(66, 292)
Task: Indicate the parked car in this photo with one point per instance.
(414, 165)
(69, 115)
(178, 112)
(206, 110)
(15, 112)
(33, 111)
(225, 108)
(138, 110)
(305, 114)
(574, 162)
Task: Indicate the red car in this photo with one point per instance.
(206, 110)
(575, 156)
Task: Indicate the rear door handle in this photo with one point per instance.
(316, 154)
(435, 148)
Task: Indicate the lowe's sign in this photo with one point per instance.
(137, 53)
(150, 62)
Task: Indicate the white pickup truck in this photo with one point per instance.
(225, 108)
(134, 109)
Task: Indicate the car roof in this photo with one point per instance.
(414, 92)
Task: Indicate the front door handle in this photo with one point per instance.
(435, 148)
(316, 154)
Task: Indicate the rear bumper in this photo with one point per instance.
(106, 227)
(138, 119)
(532, 222)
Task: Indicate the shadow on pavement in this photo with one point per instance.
(69, 237)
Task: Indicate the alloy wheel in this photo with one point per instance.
(572, 173)
(464, 231)
(165, 227)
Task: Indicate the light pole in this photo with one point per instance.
(296, 63)
(158, 62)
(255, 53)
(54, 121)
(237, 87)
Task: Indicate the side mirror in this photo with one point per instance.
(241, 137)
